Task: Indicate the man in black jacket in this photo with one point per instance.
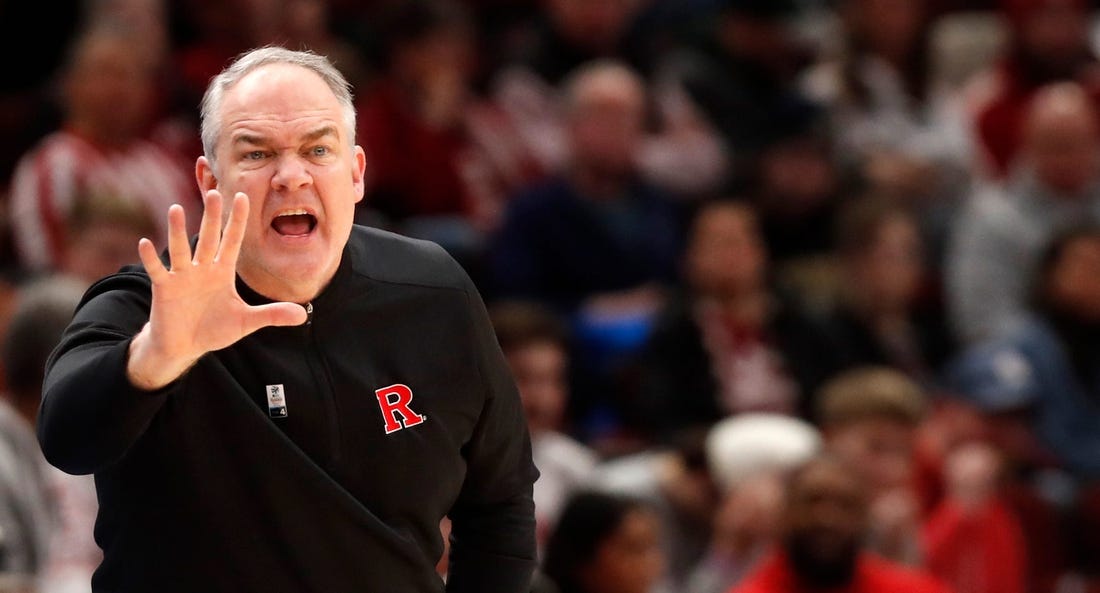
(290, 403)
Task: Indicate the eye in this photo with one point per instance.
(254, 155)
(319, 151)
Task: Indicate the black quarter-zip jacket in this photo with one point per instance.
(396, 409)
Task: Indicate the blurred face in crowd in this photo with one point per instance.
(110, 88)
(750, 515)
(824, 523)
(597, 25)
(765, 40)
(145, 18)
(726, 255)
(888, 272)
(798, 177)
(1073, 285)
(605, 121)
(889, 27)
(1054, 33)
(283, 142)
(883, 448)
(630, 560)
(1062, 139)
(539, 369)
(100, 250)
(441, 58)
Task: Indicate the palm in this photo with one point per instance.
(196, 308)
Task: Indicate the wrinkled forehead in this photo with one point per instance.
(281, 95)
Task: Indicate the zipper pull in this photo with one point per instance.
(309, 313)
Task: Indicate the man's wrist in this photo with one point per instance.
(147, 368)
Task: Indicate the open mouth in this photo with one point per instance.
(294, 223)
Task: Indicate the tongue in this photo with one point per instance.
(295, 224)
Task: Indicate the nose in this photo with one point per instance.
(290, 174)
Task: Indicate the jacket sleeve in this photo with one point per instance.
(493, 520)
(91, 414)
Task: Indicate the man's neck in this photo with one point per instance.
(284, 290)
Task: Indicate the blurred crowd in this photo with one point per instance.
(799, 295)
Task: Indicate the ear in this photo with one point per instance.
(359, 172)
(204, 175)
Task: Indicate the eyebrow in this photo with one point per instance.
(246, 138)
(321, 133)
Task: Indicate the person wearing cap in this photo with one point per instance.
(748, 455)
(1047, 367)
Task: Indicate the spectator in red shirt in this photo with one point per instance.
(970, 537)
(109, 88)
(823, 525)
(440, 161)
(1048, 42)
(869, 416)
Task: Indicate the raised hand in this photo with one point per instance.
(196, 308)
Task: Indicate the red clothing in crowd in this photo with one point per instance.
(65, 168)
(1000, 118)
(417, 169)
(981, 551)
(1001, 99)
(872, 575)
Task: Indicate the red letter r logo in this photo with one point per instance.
(394, 400)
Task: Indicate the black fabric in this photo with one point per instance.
(677, 386)
(860, 346)
(560, 247)
(201, 490)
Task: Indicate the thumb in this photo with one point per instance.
(274, 314)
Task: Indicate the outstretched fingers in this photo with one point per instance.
(149, 258)
(179, 248)
(234, 231)
(210, 229)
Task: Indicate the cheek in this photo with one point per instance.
(341, 219)
(256, 218)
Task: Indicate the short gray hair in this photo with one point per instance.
(210, 126)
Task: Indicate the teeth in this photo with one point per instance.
(294, 212)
